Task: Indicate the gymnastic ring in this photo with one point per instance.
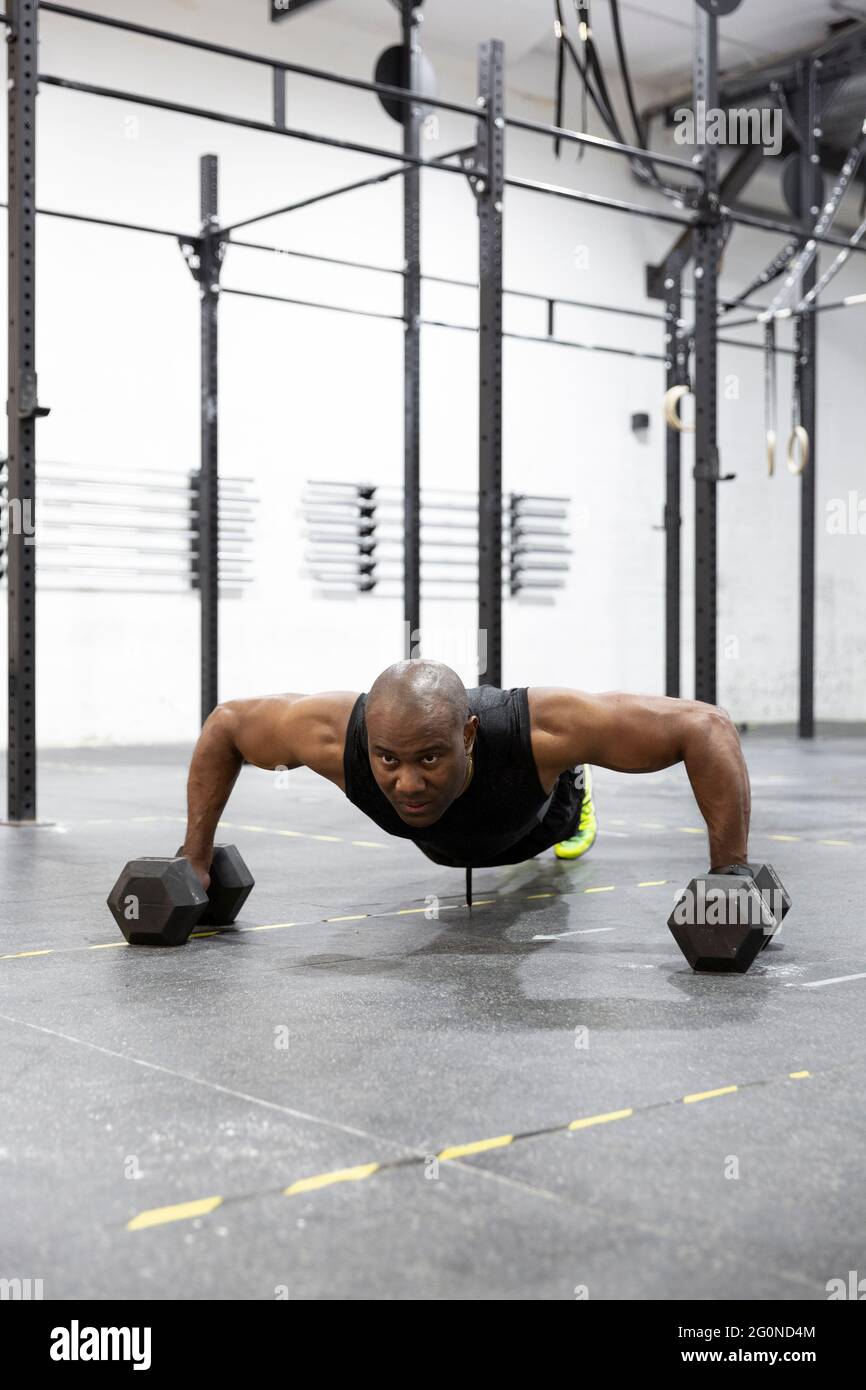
(799, 435)
(771, 453)
(672, 398)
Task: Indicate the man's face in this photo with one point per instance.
(418, 760)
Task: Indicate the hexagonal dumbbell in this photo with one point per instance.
(159, 902)
(721, 921)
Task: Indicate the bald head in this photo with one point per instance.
(420, 688)
(420, 733)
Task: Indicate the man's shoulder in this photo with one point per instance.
(552, 711)
(324, 718)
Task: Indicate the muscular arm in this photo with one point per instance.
(275, 731)
(645, 733)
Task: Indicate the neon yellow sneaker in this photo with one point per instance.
(587, 828)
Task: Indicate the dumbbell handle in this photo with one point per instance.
(768, 884)
(202, 873)
(218, 912)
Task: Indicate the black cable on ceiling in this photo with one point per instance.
(625, 74)
(591, 70)
(566, 43)
(559, 110)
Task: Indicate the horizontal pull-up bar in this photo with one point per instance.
(552, 299)
(535, 295)
(743, 219)
(795, 312)
(408, 161)
(190, 237)
(440, 323)
(547, 338)
(318, 256)
(769, 224)
(471, 328)
(599, 200)
(612, 146)
(312, 304)
(110, 222)
(244, 122)
(263, 60)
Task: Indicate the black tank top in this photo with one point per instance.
(504, 815)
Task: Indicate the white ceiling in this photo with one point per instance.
(657, 33)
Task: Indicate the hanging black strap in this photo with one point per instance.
(770, 393)
(469, 890)
(797, 393)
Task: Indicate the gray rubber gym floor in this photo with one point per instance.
(342, 1025)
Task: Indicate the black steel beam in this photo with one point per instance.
(754, 347)
(22, 409)
(262, 59)
(672, 265)
(489, 193)
(598, 142)
(317, 256)
(555, 299)
(676, 370)
(624, 310)
(706, 242)
(244, 122)
(284, 9)
(552, 342)
(106, 222)
(740, 218)
(554, 190)
(464, 327)
(412, 118)
(773, 224)
(311, 304)
(208, 478)
(343, 188)
(808, 117)
(744, 209)
(598, 200)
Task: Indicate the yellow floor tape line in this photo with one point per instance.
(183, 1211)
(709, 1095)
(186, 1211)
(600, 1119)
(480, 1146)
(365, 1170)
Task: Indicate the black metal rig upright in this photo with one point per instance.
(807, 115)
(210, 256)
(706, 246)
(412, 118)
(489, 191)
(22, 409)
